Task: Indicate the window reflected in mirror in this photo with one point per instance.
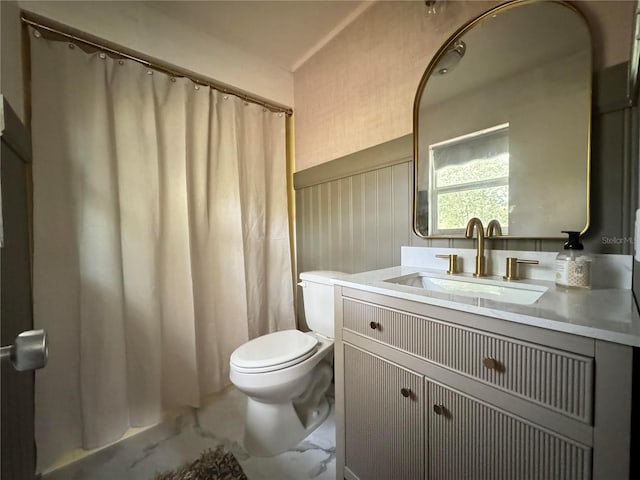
(469, 178)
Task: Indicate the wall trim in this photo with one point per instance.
(393, 152)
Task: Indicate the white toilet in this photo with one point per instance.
(286, 374)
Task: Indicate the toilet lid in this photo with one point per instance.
(273, 349)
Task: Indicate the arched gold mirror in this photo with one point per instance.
(502, 121)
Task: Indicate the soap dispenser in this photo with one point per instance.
(573, 265)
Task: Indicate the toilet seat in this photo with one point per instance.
(273, 351)
(279, 366)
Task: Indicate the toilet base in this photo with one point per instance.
(274, 428)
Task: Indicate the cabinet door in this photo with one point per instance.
(384, 418)
(468, 439)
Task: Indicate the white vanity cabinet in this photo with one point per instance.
(429, 392)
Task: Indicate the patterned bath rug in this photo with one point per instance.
(217, 464)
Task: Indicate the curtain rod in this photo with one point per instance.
(40, 23)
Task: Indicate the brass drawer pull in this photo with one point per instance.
(405, 392)
(375, 325)
(492, 364)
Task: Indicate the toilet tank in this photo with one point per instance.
(317, 294)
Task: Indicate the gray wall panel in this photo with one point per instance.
(384, 235)
(346, 224)
(401, 174)
(356, 223)
(369, 241)
(357, 219)
(607, 180)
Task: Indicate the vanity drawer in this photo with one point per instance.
(556, 379)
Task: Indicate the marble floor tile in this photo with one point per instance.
(182, 439)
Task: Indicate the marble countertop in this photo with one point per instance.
(601, 313)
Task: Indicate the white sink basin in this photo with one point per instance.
(519, 293)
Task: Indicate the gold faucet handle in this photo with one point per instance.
(512, 267)
(453, 262)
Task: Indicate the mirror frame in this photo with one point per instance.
(431, 67)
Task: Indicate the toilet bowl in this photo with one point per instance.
(286, 374)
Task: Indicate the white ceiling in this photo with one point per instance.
(286, 33)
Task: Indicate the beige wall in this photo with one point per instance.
(144, 29)
(11, 59)
(358, 90)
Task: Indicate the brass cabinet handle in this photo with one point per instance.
(492, 364)
(374, 325)
(405, 392)
(439, 409)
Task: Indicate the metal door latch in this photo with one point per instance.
(28, 352)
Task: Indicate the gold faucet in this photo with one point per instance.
(494, 229)
(480, 260)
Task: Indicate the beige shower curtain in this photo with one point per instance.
(161, 241)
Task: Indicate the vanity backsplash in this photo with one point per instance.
(608, 270)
